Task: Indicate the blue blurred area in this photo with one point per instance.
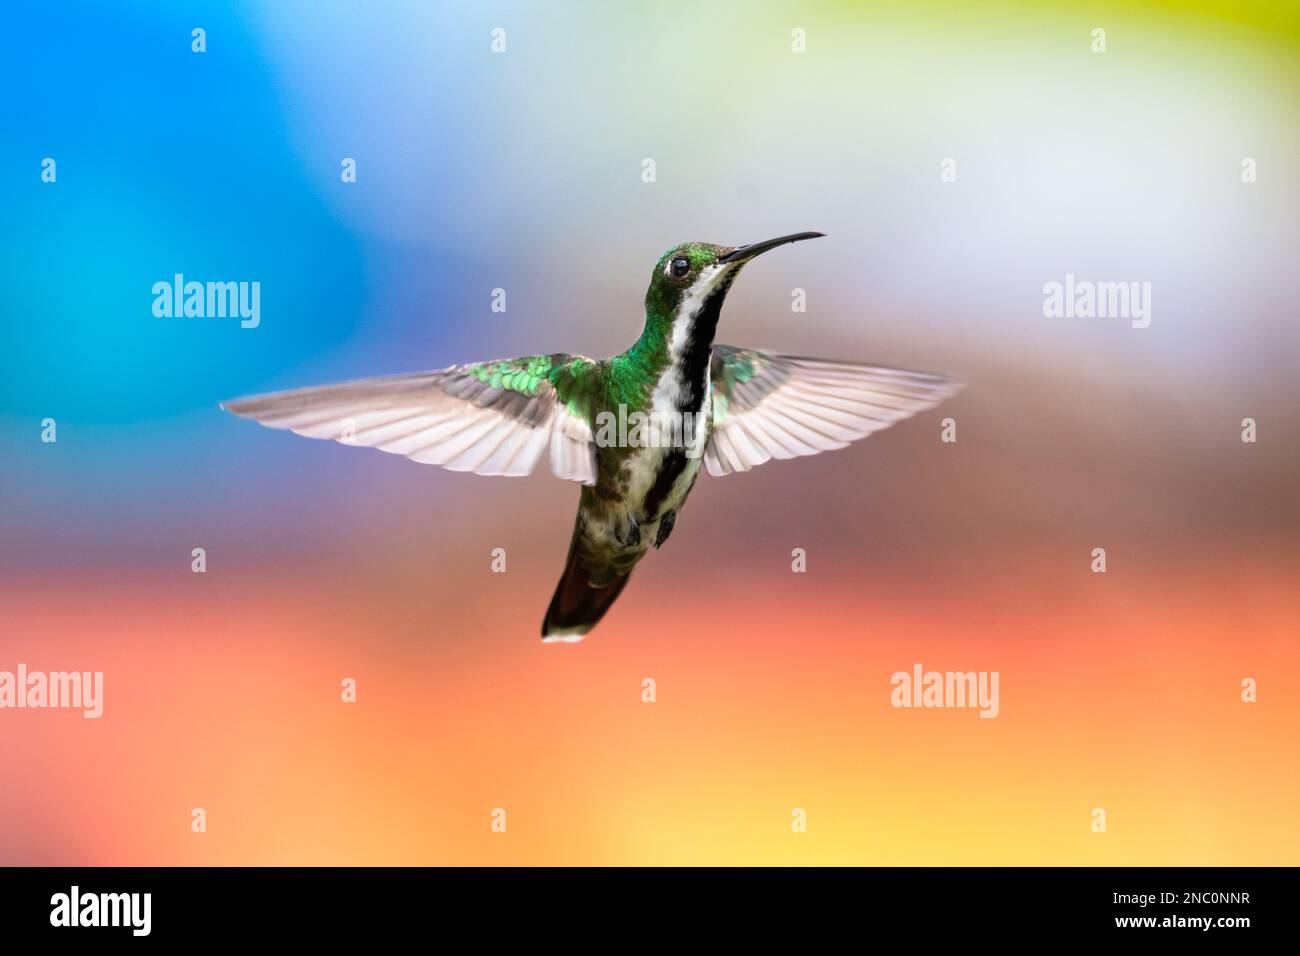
(225, 166)
(167, 161)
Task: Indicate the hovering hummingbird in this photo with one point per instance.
(690, 401)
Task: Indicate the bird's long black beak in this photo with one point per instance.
(742, 253)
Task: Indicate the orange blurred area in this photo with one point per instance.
(225, 695)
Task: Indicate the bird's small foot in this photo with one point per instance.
(665, 527)
(630, 535)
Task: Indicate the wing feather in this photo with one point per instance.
(750, 451)
(767, 405)
(491, 418)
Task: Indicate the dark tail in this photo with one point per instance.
(577, 606)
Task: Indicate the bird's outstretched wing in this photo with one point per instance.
(491, 418)
(768, 406)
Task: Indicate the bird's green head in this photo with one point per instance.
(695, 275)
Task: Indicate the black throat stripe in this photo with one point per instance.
(698, 353)
(694, 365)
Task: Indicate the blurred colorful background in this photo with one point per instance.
(522, 170)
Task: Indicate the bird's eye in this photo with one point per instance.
(681, 265)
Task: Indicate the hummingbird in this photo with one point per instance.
(688, 401)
